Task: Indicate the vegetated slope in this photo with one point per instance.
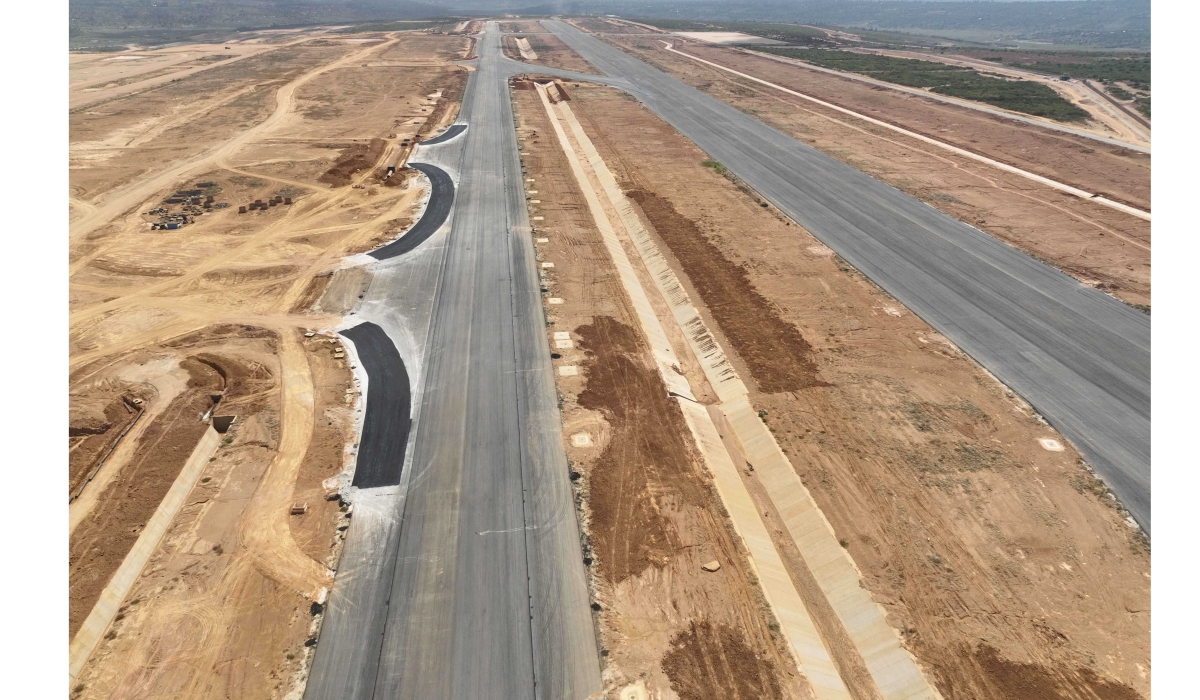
(1023, 96)
(1105, 66)
(1135, 71)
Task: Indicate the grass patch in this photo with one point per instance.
(1022, 96)
(1143, 106)
(721, 169)
(1119, 93)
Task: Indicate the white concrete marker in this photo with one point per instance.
(1051, 444)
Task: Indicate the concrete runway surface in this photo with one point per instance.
(466, 579)
(1080, 357)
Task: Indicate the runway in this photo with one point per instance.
(1078, 356)
(465, 579)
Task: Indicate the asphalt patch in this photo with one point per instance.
(454, 130)
(441, 198)
(389, 408)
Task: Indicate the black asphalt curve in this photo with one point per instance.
(441, 198)
(1081, 358)
(454, 130)
(389, 408)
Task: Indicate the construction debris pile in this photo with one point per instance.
(192, 203)
(259, 204)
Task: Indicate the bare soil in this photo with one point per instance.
(446, 108)
(550, 50)
(1102, 247)
(649, 513)
(646, 447)
(601, 25)
(224, 607)
(203, 600)
(99, 417)
(709, 660)
(1005, 567)
(779, 358)
(101, 542)
(353, 160)
(524, 25)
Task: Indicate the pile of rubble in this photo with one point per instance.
(259, 204)
(192, 203)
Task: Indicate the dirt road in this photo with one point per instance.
(264, 525)
(137, 193)
(237, 574)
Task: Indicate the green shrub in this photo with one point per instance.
(1023, 96)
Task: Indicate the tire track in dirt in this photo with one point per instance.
(137, 193)
(264, 529)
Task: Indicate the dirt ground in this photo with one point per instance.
(1099, 246)
(650, 514)
(100, 418)
(205, 619)
(550, 50)
(220, 306)
(1005, 566)
(100, 542)
(601, 25)
(521, 25)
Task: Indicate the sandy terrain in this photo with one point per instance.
(606, 25)
(99, 78)
(219, 307)
(522, 25)
(1001, 563)
(1100, 246)
(550, 51)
